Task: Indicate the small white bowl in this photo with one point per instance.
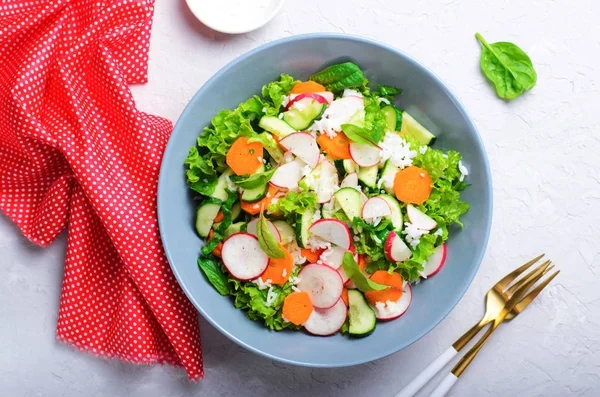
(234, 16)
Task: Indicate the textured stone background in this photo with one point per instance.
(544, 151)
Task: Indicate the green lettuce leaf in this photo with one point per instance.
(275, 91)
(375, 122)
(214, 274)
(294, 203)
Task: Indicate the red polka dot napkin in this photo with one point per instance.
(76, 153)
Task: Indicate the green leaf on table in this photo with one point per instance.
(508, 67)
(356, 275)
(253, 181)
(357, 134)
(338, 77)
(215, 276)
(267, 241)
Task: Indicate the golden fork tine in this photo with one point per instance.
(510, 277)
(524, 280)
(519, 307)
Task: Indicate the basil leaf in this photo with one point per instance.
(338, 77)
(253, 181)
(508, 67)
(214, 275)
(357, 134)
(267, 241)
(358, 278)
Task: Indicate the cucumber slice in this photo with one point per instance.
(220, 192)
(275, 126)
(303, 112)
(235, 228)
(388, 173)
(256, 194)
(360, 314)
(285, 231)
(236, 210)
(350, 166)
(390, 117)
(350, 200)
(358, 119)
(339, 166)
(368, 176)
(303, 222)
(205, 216)
(327, 211)
(396, 215)
(414, 129)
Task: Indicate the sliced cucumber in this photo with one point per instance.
(339, 166)
(285, 231)
(396, 216)
(350, 166)
(358, 119)
(275, 126)
(350, 200)
(390, 117)
(235, 228)
(414, 129)
(303, 222)
(220, 192)
(327, 211)
(236, 210)
(368, 176)
(360, 314)
(205, 216)
(303, 112)
(388, 173)
(256, 194)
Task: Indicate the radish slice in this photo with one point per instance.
(325, 94)
(395, 249)
(312, 95)
(325, 322)
(436, 261)
(363, 154)
(351, 180)
(333, 257)
(391, 310)
(251, 228)
(375, 207)
(288, 175)
(332, 230)
(322, 283)
(243, 257)
(324, 181)
(304, 146)
(419, 219)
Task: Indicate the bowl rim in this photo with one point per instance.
(169, 152)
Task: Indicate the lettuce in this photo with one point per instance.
(294, 203)
(275, 91)
(375, 122)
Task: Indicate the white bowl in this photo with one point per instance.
(234, 16)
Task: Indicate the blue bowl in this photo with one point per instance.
(427, 98)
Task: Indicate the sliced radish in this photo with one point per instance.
(419, 219)
(288, 175)
(322, 283)
(325, 94)
(304, 146)
(325, 322)
(332, 230)
(375, 207)
(395, 249)
(333, 257)
(251, 228)
(312, 95)
(363, 154)
(324, 181)
(391, 310)
(351, 180)
(436, 261)
(243, 257)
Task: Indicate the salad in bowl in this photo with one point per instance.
(320, 203)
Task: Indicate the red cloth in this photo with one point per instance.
(75, 152)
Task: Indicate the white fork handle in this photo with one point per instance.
(425, 376)
(444, 386)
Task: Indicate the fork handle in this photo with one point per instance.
(425, 376)
(444, 386)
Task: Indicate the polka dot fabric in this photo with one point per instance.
(75, 152)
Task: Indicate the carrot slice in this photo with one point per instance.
(243, 157)
(217, 250)
(219, 217)
(345, 296)
(337, 147)
(362, 263)
(297, 307)
(311, 257)
(307, 86)
(254, 208)
(279, 270)
(392, 294)
(412, 185)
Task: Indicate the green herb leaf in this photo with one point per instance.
(358, 278)
(267, 241)
(275, 91)
(508, 67)
(269, 143)
(339, 77)
(388, 90)
(215, 276)
(253, 181)
(357, 134)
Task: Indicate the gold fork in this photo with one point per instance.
(497, 299)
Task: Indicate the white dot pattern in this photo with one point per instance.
(75, 152)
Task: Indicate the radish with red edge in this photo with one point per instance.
(304, 146)
(322, 283)
(251, 228)
(333, 257)
(391, 310)
(436, 261)
(364, 155)
(395, 249)
(324, 181)
(324, 322)
(243, 257)
(333, 231)
(375, 207)
(350, 180)
(419, 219)
(312, 95)
(325, 94)
(288, 175)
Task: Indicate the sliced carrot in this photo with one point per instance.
(279, 270)
(243, 157)
(307, 86)
(337, 147)
(277, 139)
(311, 257)
(217, 250)
(412, 185)
(345, 296)
(255, 208)
(219, 217)
(392, 294)
(297, 307)
(362, 263)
